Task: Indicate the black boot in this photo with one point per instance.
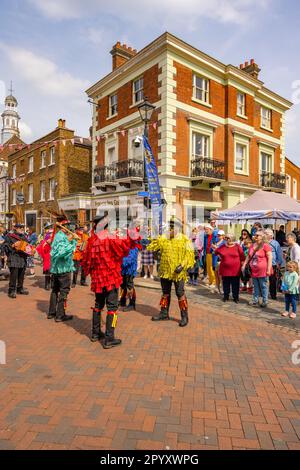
(131, 305)
(61, 310)
(22, 291)
(184, 318)
(164, 309)
(110, 340)
(183, 305)
(97, 334)
(12, 294)
(74, 279)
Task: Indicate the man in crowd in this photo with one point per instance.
(16, 260)
(210, 238)
(280, 236)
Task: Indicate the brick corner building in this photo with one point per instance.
(55, 167)
(219, 133)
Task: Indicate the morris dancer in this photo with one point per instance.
(129, 271)
(44, 249)
(16, 260)
(62, 249)
(177, 256)
(80, 247)
(102, 259)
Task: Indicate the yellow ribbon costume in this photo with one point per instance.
(174, 252)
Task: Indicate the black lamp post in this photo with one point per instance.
(146, 109)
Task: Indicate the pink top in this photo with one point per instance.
(259, 262)
(43, 250)
(231, 260)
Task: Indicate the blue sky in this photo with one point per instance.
(54, 49)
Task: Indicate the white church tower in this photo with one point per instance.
(10, 118)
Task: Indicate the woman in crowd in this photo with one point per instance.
(293, 253)
(221, 241)
(260, 261)
(245, 242)
(232, 256)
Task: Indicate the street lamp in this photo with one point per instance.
(146, 109)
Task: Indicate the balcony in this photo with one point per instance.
(205, 168)
(123, 172)
(273, 181)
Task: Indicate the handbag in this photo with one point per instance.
(247, 273)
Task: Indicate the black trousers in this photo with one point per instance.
(234, 283)
(16, 279)
(108, 298)
(166, 286)
(78, 268)
(61, 284)
(47, 278)
(273, 283)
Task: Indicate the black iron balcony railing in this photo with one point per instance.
(119, 170)
(272, 180)
(105, 174)
(130, 169)
(207, 167)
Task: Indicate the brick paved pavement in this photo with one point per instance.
(224, 382)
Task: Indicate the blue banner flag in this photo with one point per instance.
(153, 182)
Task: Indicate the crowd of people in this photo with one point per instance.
(261, 262)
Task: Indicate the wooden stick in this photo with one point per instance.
(74, 235)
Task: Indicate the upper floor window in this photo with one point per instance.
(42, 191)
(14, 197)
(200, 145)
(43, 158)
(241, 104)
(294, 188)
(30, 164)
(265, 117)
(113, 105)
(201, 88)
(14, 171)
(266, 162)
(241, 158)
(111, 155)
(52, 186)
(30, 193)
(138, 90)
(52, 155)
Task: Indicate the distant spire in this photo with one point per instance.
(11, 88)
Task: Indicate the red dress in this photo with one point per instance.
(43, 250)
(231, 260)
(102, 259)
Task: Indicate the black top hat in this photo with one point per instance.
(18, 225)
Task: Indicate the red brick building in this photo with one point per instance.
(220, 133)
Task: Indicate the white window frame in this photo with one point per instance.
(14, 170)
(52, 155)
(295, 188)
(52, 186)
(43, 157)
(245, 142)
(204, 91)
(111, 105)
(266, 122)
(30, 193)
(271, 155)
(288, 185)
(14, 196)
(204, 130)
(30, 164)
(42, 185)
(141, 89)
(110, 142)
(241, 104)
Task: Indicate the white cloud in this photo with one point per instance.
(25, 130)
(166, 11)
(43, 74)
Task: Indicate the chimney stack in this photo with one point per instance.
(121, 53)
(252, 68)
(61, 123)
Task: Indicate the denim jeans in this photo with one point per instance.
(261, 288)
(290, 299)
